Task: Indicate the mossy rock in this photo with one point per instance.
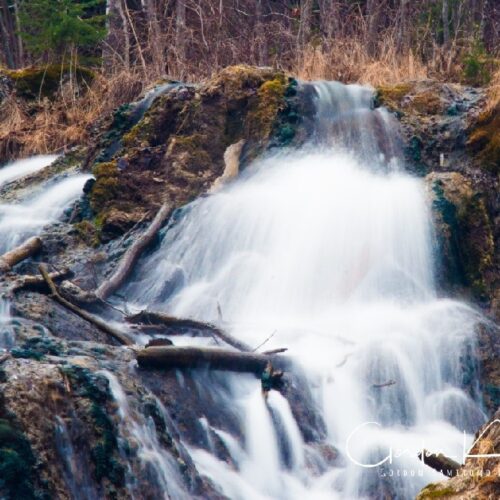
(484, 139)
(422, 98)
(270, 101)
(104, 454)
(16, 464)
(38, 347)
(464, 232)
(437, 490)
(106, 186)
(45, 81)
(177, 148)
(392, 95)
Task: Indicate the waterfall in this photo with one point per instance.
(18, 221)
(20, 168)
(332, 248)
(158, 467)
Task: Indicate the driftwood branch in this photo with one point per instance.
(38, 283)
(27, 249)
(385, 384)
(99, 323)
(149, 320)
(170, 358)
(440, 462)
(126, 265)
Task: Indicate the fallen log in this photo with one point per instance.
(38, 283)
(150, 319)
(171, 358)
(97, 322)
(27, 249)
(440, 462)
(126, 265)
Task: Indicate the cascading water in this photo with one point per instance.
(159, 466)
(330, 247)
(20, 168)
(18, 221)
(24, 219)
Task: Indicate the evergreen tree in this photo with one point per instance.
(54, 27)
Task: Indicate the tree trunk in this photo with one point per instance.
(116, 50)
(171, 358)
(27, 249)
(329, 18)
(180, 30)
(179, 325)
(260, 33)
(305, 23)
(155, 38)
(127, 263)
(97, 322)
(440, 463)
(372, 11)
(445, 21)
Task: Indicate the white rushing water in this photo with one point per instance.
(331, 248)
(20, 168)
(160, 467)
(19, 221)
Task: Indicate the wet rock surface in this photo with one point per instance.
(55, 397)
(438, 123)
(479, 478)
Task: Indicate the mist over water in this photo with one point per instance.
(330, 247)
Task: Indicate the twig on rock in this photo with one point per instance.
(97, 322)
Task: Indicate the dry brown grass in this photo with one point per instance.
(55, 125)
(348, 61)
(493, 99)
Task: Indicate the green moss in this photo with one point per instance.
(467, 246)
(270, 101)
(37, 347)
(106, 187)
(87, 232)
(435, 491)
(193, 146)
(484, 139)
(480, 248)
(105, 464)
(428, 103)
(391, 95)
(16, 464)
(95, 387)
(45, 81)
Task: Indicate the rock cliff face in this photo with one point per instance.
(66, 385)
(452, 142)
(479, 478)
(62, 428)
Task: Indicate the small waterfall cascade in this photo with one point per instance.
(20, 168)
(330, 247)
(158, 466)
(27, 217)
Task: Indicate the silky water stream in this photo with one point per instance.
(27, 217)
(330, 247)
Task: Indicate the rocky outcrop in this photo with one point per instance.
(180, 142)
(451, 142)
(479, 477)
(441, 125)
(177, 149)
